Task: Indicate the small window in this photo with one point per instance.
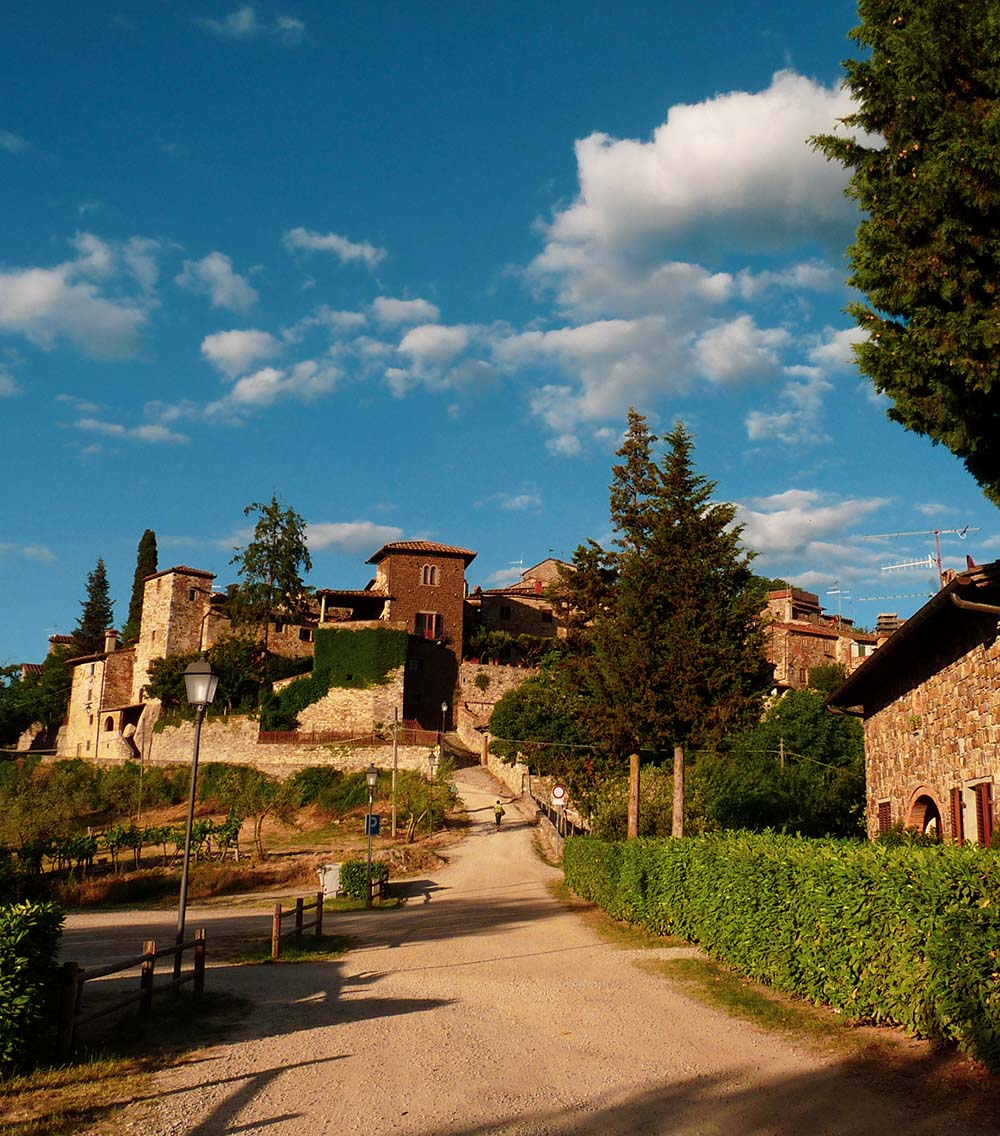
(190, 595)
(428, 625)
(884, 816)
(91, 670)
(278, 627)
(505, 611)
(152, 636)
(957, 825)
(109, 725)
(430, 576)
(984, 813)
(305, 634)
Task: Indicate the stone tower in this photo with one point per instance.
(175, 608)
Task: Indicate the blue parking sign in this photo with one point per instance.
(372, 823)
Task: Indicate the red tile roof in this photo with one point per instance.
(418, 546)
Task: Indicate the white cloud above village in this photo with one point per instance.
(13, 143)
(153, 433)
(234, 352)
(215, 277)
(791, 523)
(8, 385)
(393, 312)
(350, 537)
(27, 551)
(243, 23)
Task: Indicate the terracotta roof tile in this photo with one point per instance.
(428, 546)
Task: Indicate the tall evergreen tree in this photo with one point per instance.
(145, 565)
(271, 565)
(97, 614)
(927, 253)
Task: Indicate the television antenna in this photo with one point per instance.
(840, 593)
(934, 561)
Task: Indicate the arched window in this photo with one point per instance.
(109, 725)
(430, 575)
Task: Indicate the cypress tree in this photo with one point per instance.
(97, 614)
(927, 253)
(145, 565)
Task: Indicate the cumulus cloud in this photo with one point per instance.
(521, 501)
(392, 313)
(28, 551)
(834, 349)
(234, 352)
(798, 420)
(215, 277)
(8, 387)
(793, 522)
(346, 251)
(738, 350)
(350, 537)
(304, 382)
(434, 344)
(152, 433)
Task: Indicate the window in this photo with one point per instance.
(430, 575)
(505, 611)
(984, 812)
(884, 816)
(109, 725)
(428, 625)
(546, 616)
(957, 827)
(305, 634)
(278, 627)
(190, 595)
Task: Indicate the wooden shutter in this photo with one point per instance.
(957, 828)
(984, 813)
(884, 816)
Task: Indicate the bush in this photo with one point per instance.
(904, 935)
(354, 876)
(29, 938)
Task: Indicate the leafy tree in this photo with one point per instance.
(799, 770)
(14, 715)
(145, 565)
(270, 566)
(927, 252)
(97, 614)
(250, 793)
(43, 697)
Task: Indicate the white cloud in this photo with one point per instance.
(346, 251)
(352, 537)
(521, 502)
(834, 350)
(215, 277)
(48, 304)
(13, 143)
(394, 312)
(290, 30)
(149, 433)
(8, 387)
(806, 276)
(243, 24)
(305, 382)
(504, 576)
(234, 352)
(932, 509)
(738, 350)
(434, 344)
(28, 551)
(799, 418)
(794, 521)
(139, 254)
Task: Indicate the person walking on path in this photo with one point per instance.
(498, 812)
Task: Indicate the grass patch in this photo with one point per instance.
(116, 1068)
(309, 949)
(711, 982)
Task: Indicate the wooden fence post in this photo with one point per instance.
(199, 960)
(69, 1005)
(276, 933)
(146, 976)
(298, 919)
(319, 915)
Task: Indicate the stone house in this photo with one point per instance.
(419, 587)
(520, 608)
(799, 635)
(930, 701)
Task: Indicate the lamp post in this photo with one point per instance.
(371, 776)
(200, 683)
(432, 763)
(444, 715)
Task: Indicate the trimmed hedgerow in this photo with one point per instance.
(903, 935)
(29, 938)
(348, 659)
(354, 876)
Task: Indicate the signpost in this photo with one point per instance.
(559, 802)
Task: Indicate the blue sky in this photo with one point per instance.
(408, 265)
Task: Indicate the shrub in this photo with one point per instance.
(29, 938)
(354, 876)
(903, 934)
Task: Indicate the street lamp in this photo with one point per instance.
(371, 776)
(200, 683)
(432, 763)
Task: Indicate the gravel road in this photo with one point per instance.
(484, 1008)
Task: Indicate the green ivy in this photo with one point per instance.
(29, 939)
(902, 935)
(345, 659)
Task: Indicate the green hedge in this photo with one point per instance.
(904, 935)
(354, 876)
(29, 938)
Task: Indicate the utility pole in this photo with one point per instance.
(395, 763)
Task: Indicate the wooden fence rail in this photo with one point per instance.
(300, 908)
(73, 977)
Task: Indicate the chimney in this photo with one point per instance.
(110, 640)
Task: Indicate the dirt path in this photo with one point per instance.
(484, 1008)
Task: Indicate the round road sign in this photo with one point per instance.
(558, 795)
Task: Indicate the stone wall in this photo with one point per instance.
(938, 730)
(234, 739)
(347, 710)
(474, 706)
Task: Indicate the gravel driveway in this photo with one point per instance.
(484, 1007)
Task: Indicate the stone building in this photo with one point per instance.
(930, 700)
(799, 635)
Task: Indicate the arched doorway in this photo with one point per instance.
(925, 816)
